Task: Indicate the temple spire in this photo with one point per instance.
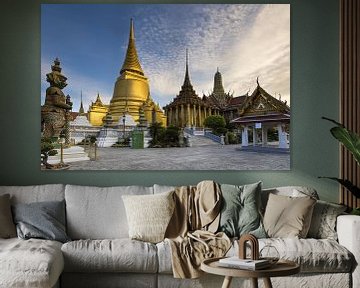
(98, 100)
(131, 62)
(81, 110)
(218, 85)
(187, 78)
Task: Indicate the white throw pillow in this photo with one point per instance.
(149, 215)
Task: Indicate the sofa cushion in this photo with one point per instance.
(148, 215)
(34, 193)
(323, 222)
(287, 216)
(240, 210)
(43, 220)
(30, 263)
(117, 255)
(314, 255)
(98, 213)
(291, 191)
(7, 226)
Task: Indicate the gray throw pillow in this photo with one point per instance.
(240, 213)
(323, 222)
(44, 220)
(7, 226)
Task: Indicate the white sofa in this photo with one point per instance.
(101, 254)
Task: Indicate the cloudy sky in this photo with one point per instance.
(244, 41)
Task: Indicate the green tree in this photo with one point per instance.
(47, 149)
(171, 137)
(157, 133)
(217, 124)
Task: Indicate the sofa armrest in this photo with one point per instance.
(348, 230)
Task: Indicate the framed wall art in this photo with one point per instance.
(165, 86)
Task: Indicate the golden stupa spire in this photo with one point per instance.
(131, 62)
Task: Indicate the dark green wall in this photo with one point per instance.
(314, 92)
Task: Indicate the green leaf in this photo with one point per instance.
(349, 139)
(347, 184)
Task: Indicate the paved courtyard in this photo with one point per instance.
(206, 157)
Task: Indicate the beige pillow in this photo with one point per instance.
(149, 215)
(7, 226)
(288, 217)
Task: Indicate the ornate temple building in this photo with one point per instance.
(97, 112)
(131, 91)
(187, 109)
(224, 103)
(218, 97)
(257, 111)
(261, 111)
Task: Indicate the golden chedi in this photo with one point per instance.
(97, 112)
(131, 91)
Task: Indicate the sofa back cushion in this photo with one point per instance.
(290, 191)
(34, 193)
(288, 217)
(98, 212)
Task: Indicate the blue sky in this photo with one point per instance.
(244, 41)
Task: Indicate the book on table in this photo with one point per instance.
(249, 264)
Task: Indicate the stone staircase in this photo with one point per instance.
(197, 141)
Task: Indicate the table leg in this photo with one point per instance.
(254, 282)
(267, 283)
(227, 282)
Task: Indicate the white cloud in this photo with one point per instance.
(244, 41)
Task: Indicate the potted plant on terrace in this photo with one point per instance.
(351, 141)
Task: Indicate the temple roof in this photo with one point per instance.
(275, 117)
(98, 101)
(261, 107)
(131, 62)
(218, 97)
(187, 94)
(262, 103)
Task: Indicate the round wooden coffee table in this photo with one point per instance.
(281, 268)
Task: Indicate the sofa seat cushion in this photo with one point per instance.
(313, 255)
(30, 263)
(115, 255)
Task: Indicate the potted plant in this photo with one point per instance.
(351, 141)
(47, 149)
